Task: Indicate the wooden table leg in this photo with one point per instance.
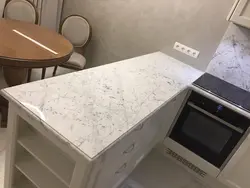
(4, 111)
(29, 75)
(43, 73)
(14, 76)
(54, 71)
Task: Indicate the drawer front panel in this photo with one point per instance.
(114, 175)
(124, 149)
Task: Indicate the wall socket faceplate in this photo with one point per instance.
(186, 50)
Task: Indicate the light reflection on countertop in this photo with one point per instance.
(35, 110)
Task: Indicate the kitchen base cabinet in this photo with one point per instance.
(91, 127)
(122, 158)
(37, 157)
(237, 171)
(42, 160)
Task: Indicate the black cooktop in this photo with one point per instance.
(224, 90)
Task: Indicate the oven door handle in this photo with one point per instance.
(239, 130)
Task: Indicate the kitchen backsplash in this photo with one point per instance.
(231, 62)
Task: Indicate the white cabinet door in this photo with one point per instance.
(241, 13)
(236, 174)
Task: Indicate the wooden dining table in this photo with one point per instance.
(25, 46)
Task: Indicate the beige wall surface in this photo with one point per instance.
(127, 28)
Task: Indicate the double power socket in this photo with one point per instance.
(186, 50)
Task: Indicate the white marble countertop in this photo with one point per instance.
(95, 107)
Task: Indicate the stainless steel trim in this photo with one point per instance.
(209, 95)
(216, 118)
(185, 162)
(235, 149)
(192, 157)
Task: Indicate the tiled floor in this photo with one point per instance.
(157, 171)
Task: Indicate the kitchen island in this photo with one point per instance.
(91, 128)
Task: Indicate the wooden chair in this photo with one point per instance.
(78, 31)
(22, 10)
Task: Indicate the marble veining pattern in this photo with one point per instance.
(231, 61)
(94, 107)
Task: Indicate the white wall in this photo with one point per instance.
(127, 28)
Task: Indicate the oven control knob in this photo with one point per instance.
(219, 108)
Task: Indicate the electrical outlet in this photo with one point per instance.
(186, 50)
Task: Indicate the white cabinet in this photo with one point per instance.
(237, 171)
(123, 157)
(240, 13)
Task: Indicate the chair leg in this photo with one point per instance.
(43, 73)
(29, 75)
(55, 69)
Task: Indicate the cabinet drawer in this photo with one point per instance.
(156, 125)
(123, 157)
(124, 149)
(114, 175)
(138, 138)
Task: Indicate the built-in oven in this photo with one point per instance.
(209, 129)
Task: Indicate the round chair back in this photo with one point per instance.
(21, 10)
(77, 30)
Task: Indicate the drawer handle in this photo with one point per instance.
(123, 167)
(139, 127)
(130, 149)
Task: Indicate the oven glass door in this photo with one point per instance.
(207, 137)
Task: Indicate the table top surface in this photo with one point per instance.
(31, 46)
